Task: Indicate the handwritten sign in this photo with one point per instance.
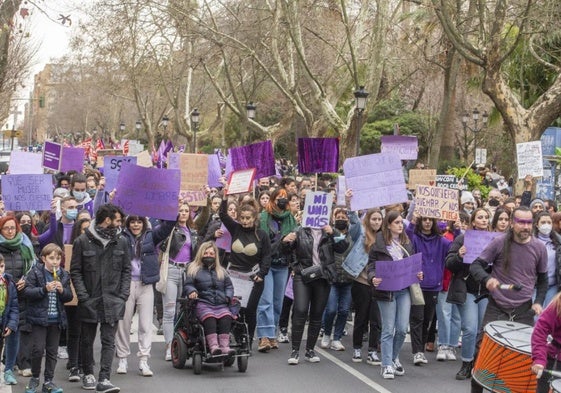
(112, 166)
(317, 209)
(400, 274)
(437, 202)
(241, 181)
(529, 158)
(225, 241)
(52, 153)
(450, 181)
(426, 177)
(405, 147)
(22, 163)
(475, 242)
(27, 192)
(376, 180)
(106, 152)
(194, 176)
(151, 192)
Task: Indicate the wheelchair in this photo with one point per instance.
(189, 342)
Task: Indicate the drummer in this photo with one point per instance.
(547, 354)
(524, 263)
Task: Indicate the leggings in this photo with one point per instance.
(219, 326)
(367, 317)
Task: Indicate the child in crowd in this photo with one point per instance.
(47, 289)
(9, 309)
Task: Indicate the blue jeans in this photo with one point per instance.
(338, 304)
(471, 314)
(395, 318)
(448, 318)
(11, 350)
(169, 299)
(270, 303)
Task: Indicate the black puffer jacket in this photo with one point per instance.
(209, 288)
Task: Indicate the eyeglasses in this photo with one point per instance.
(9, 229)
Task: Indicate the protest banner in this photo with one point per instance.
(257, 155)
(405, 147)
(317, 155)
(225, 241)
(144, 159)
(241, 181)
(67, 264)
(398, 275)
(72, 159)
(475, 242)
(194, 176)
(530, 159)
(421, 176)
(376, 180)
(437, 202)
(317, 209)
(24, 163)
(27, 192)
(150, 192)
(214, 171)
(111, 167)
(450, 181)
(52, 153)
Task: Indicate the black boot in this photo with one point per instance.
(465, 371)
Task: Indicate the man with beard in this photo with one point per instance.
(516, 258)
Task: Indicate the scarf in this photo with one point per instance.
(287, 221)
(107, 233)
(22, 244)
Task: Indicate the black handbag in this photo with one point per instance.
(311, 273)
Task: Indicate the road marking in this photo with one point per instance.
(357, 374)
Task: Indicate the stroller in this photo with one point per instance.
(189, 341)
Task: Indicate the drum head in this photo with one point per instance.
(509, 334)
(556, 385)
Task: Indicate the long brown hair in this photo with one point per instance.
(387, 234)
(369, 234)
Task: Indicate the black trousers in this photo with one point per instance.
(420, 318)
(219, 326)
(107, 336)
(308, 298)
(367, 316)
(44, 339)
(73, 336)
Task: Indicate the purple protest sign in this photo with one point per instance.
(225, 241)
(151, 192)
(376, 180)
(111, 167)
(214, 171)
(257, 155)
(72, 159)
(405, 147)
(475, 242)
(27, 192)
(397, 275)
(52, 153)
(317, 155)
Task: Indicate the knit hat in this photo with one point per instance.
(467, 197)
(535, 201)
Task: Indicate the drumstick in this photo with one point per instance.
(510, 287)
(553, 373)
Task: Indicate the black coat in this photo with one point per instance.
(209, 288)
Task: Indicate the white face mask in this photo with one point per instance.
(545, 229)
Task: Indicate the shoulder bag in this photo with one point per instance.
(162, 284)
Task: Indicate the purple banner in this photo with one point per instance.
(151, 192)
(111, 167)
(475, 242)
(376, 180)
(405, 147)
(225, 241)
(27, 192)
(317, 155)
(214, 171)
(72, 159)
(257, 155)
(51, 155)
(397, 275)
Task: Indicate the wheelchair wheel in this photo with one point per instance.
(178, 352)
(197, 363)
(242, 363)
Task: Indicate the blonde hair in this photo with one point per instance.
(197, 264)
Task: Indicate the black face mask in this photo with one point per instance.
(282, 203)
(341, 224)
(26, 228)
(263, 188)
(494, 202)
(208, 261)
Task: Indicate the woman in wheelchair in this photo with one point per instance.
(208, 282)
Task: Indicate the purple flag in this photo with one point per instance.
(257, 155)
(161, 149)
(317, 155)
(214, 171)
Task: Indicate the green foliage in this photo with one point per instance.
(474, 180)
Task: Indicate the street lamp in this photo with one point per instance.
(165, 121)
(361, 96)
(476, 127)
(122, 128)
(250, 109)
(138, 126)
(195, 122)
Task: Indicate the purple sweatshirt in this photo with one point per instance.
(548, 323)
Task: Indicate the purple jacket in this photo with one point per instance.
(548, 323)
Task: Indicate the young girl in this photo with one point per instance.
(208, 282)
(47, 289)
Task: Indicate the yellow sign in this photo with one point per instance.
(13, 133)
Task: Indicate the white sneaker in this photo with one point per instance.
(325, 341)
(373, 359)
(62, 353)
(145, 369)
(357, 355)
(336, 345)
(441, 354)
(388, 372)
(168, 354)
(419, 358)
(398, 367)
(283, 338)
(122, 369)
(450, 353)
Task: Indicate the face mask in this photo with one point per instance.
(26, 228)
(494, 202)
(282, 203)
(71, 214)
(208, 261)
(545, 229)
(79, 195)
(341, 224)
(263, 188)
(91, 192)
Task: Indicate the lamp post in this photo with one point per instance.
(476, 127)
(122, 128)
(250, 109)
(361, 96)
(195, 124)
(138, 126)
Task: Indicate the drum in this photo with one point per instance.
(555, 386)
(503, 364)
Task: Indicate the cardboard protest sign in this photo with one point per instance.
(405, 147)
(450, 181)
(317, 209)
(421, 176)
(106, 152)
(112, 166)
(241, 181)
(317, 155)
(529, 158)
(22, 163)
(52, 153)
(151, 192)
(475, 242)
(194, 176)
(27, 192)
(376, 180)
(400, 274)
(437, 202)
(144, 159)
